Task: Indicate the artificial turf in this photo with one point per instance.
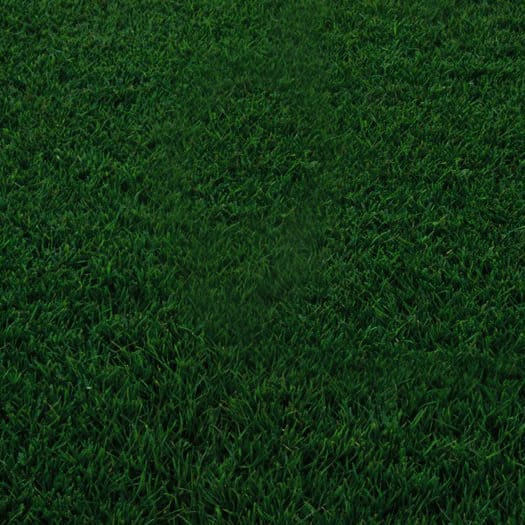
(262, 261)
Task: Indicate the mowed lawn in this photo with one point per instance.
(262, 261)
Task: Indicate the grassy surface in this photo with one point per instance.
(262, 262)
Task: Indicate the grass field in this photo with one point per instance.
(262, 261)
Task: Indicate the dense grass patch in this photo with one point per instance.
(262, 262)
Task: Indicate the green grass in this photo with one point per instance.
(262, 261)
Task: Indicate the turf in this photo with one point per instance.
(262, 261)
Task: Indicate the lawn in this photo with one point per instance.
(262, 261)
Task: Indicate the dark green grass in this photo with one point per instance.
(262, 262)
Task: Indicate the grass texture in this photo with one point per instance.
(262, 261)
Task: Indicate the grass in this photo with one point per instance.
(262, 262)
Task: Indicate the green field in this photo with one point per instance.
(262, 261)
